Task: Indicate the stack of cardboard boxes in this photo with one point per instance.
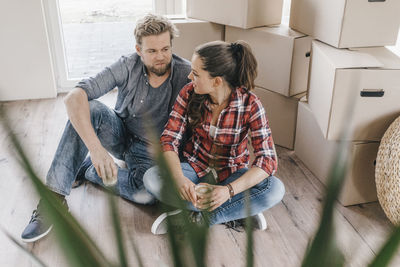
(319, 54)
(353, 83)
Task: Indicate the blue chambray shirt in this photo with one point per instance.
(137, 101)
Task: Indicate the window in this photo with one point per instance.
(88, 35)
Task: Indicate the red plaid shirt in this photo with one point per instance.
(226, 152)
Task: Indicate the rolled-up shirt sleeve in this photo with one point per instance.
(261, 139)
(106, 80)
(176, 125)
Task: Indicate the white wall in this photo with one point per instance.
(25, 62)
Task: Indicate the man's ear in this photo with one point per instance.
(138, 50)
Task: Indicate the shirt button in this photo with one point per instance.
(134, 115)
(141, 101)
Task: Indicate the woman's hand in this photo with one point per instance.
(218, 196)
(186, 189)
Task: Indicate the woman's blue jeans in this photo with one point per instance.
(262, 196)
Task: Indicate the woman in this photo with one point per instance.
(219, 109)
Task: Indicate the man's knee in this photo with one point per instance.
(96, 107)
(100, 113)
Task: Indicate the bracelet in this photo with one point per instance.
(231, 192)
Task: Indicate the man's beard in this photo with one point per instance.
(159, 72)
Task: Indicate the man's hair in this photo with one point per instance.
(154, 25)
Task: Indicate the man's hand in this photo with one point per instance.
(186, 189)
(78, 110)
(104, 165)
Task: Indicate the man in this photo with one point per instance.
(148, 82)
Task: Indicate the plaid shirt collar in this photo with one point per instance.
(235, 98)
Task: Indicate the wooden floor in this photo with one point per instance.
(361, 229)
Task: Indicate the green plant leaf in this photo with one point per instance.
(169, 191)
(324, 250)
(135, 249)
(197, 237)
(388, 250)
(80, 250)
(117, 230)
(196, 234)
(30, 254)
(249, 232)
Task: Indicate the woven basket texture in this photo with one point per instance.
(387, 172)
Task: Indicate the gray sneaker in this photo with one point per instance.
(38, 226)
(258, 222)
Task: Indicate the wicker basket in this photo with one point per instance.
(387, 172)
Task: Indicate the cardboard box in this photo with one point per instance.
(282, 56)
(317, 154)
(194, 32)
(365, 81)
(348, 23)
(239, 13)
(282, 114)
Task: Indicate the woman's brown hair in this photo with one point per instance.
(234, 62)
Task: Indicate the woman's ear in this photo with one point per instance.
(217, 81)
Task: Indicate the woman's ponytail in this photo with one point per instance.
(246, 64)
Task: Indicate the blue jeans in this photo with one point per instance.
(113, 135)
(262, 196)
